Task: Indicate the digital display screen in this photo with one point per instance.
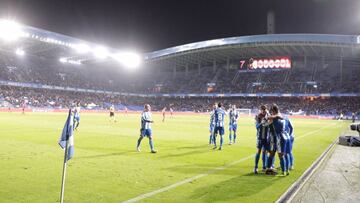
(283, 62)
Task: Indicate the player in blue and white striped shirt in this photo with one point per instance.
(233, 119)
(219, 116)
(262, 144)
(212, 125)
(77, 115)
(145, 130)
(278, 141)
(289, 155)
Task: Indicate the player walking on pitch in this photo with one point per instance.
(145, 130)
(163, 114)
(112, 113)
(212, 125)
(23, 106)
(219, 116)
(171, 112)
(233, 119)
(77, 115)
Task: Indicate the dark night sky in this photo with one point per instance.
(148, 25)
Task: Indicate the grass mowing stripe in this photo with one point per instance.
(164, 189)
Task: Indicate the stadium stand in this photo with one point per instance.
(57, 99)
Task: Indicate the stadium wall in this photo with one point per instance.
(49, 87)
(30, 110)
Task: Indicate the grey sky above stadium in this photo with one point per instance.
(149, 25)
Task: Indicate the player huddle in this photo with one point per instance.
(274, 135)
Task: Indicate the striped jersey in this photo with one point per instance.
(288, 127)
(219, 116)
(233, 117)
(77, 111)
(262, 126)
(145, 120)
(278, 128)
(212, 118)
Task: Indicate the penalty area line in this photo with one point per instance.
(220, 168)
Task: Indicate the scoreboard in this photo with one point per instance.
(283, 62)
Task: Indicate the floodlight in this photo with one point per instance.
(101, 52)
(81, 48)
(63, 60)
(20, 52)
(128, 59)
(75, 62)
(10, 30)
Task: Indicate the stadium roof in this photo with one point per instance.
(50, 45)
(258, 46)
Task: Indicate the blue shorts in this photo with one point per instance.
(262, 144)
(77, 118)
(219, 130)
(291, 143)
(288, 146)
(272, 146)
(233, 127)
(281, 145)
(145, 132)
(211, 128)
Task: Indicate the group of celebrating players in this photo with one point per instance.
(274, 134)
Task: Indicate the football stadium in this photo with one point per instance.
(256, 118)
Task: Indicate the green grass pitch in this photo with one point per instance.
(106, 167)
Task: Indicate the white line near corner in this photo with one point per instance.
(188, 180)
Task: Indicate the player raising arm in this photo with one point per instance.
(145, 130)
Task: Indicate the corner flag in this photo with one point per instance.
(67, 135)
(66, 142)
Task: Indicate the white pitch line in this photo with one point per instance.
(315, 131)
(188, 180)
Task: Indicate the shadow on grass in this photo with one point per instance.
(191, 153)
(129, 152)
(165, 148)
(187, 150)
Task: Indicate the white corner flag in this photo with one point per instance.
(66, 142)
(67, 139)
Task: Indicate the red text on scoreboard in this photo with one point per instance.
(268, 63)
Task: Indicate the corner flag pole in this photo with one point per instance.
(64, 173)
